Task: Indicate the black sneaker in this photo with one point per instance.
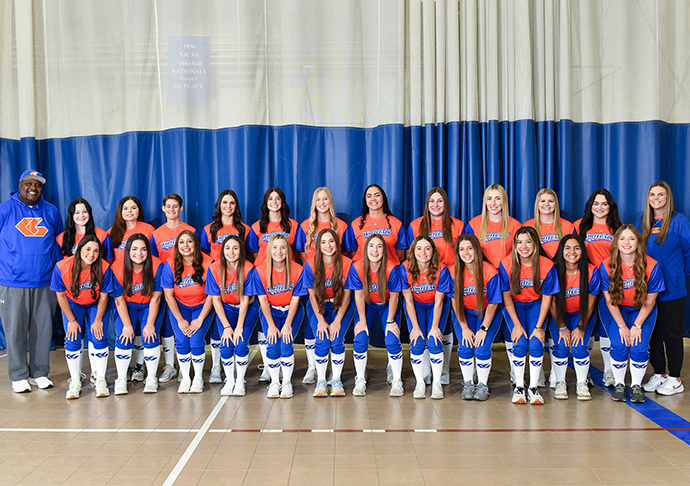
(636, 394)
(618, 394)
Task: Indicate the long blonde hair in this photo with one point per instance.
(314, 218)
(505, 216)
(648, 217)
(556, 213)
(269, 260)
(639, 269)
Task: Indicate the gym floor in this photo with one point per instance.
(166, 438)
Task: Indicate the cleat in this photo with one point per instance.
(519, 395)
(561, 392)
(419, 390)
(286, 391)
(337, 388)
(671, 387)
(583, 393)
(360, 389)
(21, 386)
(618, 394)
(74, 390)
(655, 381)
(608, 379)
(436, 391)
(151, 384)
(121, 387)
(321, 389)
(636, 394)
(481, 392)
(396, 389)
(184, 386)
(467, 391)
(215, 375)
(41, 382)
(273, 390)
(534, 396)
(309, 376)
(197, 385)
(169, 372)
(239, 390)
(138, 373)
(102, 388)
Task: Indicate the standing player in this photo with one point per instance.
(227, 220)
(78, 224)
(138, 295)
(528, 281)
(630, 281)
(572, 313)
(321, 217)
(597, 226)
(82, 283)
(475, 292)
(232, 283)
(28, 226)
(281, 312)
(376, 218)
(129, 219)
(329, 309)
(425, 307)
(377, 285)
(666, 234)
(189, 308)
(163, 247)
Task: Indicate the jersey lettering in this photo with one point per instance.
(267, 236)
(421, 288)
(549, 238)
(436, 235)
(136, 288)
(472, 290)
(221, 238)
(167, 245)
(598, 237)
(572, 292)
(496, 235)
(186, 282)
(628, 283)
(280, 288)
(528, 282)
(377, 231)
(29, 227)
(230, 289)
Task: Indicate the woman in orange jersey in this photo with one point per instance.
(597, 226)
(227, 220)
(548, 222)
(528, 281)
(329, 309)
(425, 309)
(630, 281)
(321, 217)
(190, 309)
(443, 229)
(376, 218)
(129, 219)
(82, 283)
(475, 293)
(376, 283)
(78, 224)
(281, 312)
(232, 283)
(138, 295)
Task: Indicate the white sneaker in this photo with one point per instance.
(389, 374)
(227, 389)
(74, 390)
(151, 384)
(121, 386)
(21, 386)
(534, 396)
(583, 393)
(552, 379)
(185, 385)
(542, 378)
(169, 372)
(215, 375)
(445, 379)
(427, 380)
(92, 378)
(655, 381)
(671, 386)
(519, 395)
(41, 382)
(273, 390)
(102, 388)
(397, 389)
(138, 373)
(419, 390)
(286, 390)
(608, 379)
(360, 387)
(436, 391)
(239, 390)
(561, 392)
(309, 376)
(197, 385)
(265, 376)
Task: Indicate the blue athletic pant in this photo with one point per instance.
(279, 349)
(378, 313)
(85, 315)
(482, 352)
(528, 314)
(195, 344)
(139, 315)
(425, 316)
(619, 351)
(250, 318)
(337, 345)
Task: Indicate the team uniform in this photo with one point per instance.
(257, 242)
(138, 311)
(639, 353)
(141, 227)
(190, 297)
(527, 307)
(549, 237)
(325, 344)
(492, 295)
(211, 246)
(230, 354)
(103, 237)
(310, 248)
(389, 227)
(84, 308)
(374, 309)
(571, 318)
(495, 249)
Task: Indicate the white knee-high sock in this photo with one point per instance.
(360, 363)
(321, 363)
(241, 367)
(581, 369)
(138, 353)
(151, 357)
(309, 345)
(560, 365)
(215, 352)
(447, 351)
(337, 362)
(287, 365)
(228, 367)
(483, 370)
(509, 352)
(92, 360)
(184, 361)
(637, 371)
(74, 364)
(619, 368)
(436, 367)
(605, 346)
(273, 366)
(263, 347)
(426, 363)
(395, 361)
(417, 366)
(535, 365)
(169, 350)
(122, 359)
(467, 368)
(519, 370)
(101, 360)
(198, 364)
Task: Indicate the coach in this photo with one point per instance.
(28, 252)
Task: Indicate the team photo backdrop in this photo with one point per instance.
(151, 97)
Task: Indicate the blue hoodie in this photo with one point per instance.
(28, 250)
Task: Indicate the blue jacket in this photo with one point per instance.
(28, 250)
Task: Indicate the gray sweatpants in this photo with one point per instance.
(27, 312)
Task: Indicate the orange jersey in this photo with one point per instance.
(393, 283)
(572, 291)
(62, 280)
(394, 235)
(494, 248)
(163, 240)
(423, 290)
(309, 247)
(100, 234)
(549, 237)
(492, 287)
(187, 292)
(213, 247)
(118, 268)
(141, 227)
(257, 242)
(436, 233)
(597, 240)
(308, 275)
(655, 280)
(278, 295)
(229, 293)
(547, 275)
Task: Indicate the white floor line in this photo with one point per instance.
(3, 355)
(148, 431)
(172, 477)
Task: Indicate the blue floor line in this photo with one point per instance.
(650, 409)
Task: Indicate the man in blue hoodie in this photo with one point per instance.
(28, 253)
